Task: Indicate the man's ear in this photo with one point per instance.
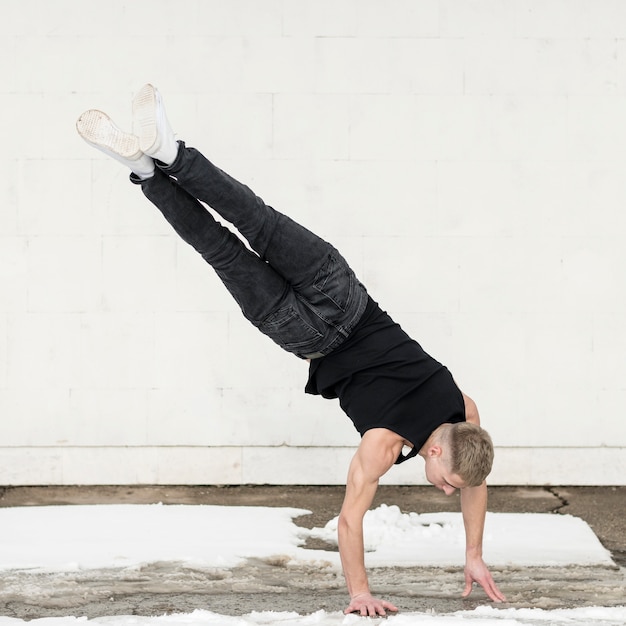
(435, 451)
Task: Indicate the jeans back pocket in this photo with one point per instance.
(291, 330)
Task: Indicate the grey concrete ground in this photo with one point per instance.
(279, 586)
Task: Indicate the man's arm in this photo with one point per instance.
(471, 410)
(474, 510)
(377, 453)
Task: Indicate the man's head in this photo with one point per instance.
(459, 455)
(470, 452)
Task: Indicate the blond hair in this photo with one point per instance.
(470, 452)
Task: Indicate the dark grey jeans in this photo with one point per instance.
(294, 287)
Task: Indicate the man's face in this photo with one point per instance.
(438, 473)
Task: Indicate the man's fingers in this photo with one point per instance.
(390, 606)
(491, 589)
(373, 610)
(467, 590)
(487, 583)
(469, 585)
(370, 608)
(494, 593)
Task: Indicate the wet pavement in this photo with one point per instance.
(278, 585)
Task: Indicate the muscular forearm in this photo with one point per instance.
(352, 553)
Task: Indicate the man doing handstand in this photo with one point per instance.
(298, 290)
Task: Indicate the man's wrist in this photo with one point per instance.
(473, 552)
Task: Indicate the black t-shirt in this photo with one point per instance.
(384, 379)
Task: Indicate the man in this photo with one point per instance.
(299, 290)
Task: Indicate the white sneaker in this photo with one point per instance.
(99, 131)
(150, 124)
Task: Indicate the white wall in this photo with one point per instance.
(468, 157)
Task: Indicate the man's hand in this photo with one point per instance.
(367, 606)
(476, 571)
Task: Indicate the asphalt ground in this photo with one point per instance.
(275, 585)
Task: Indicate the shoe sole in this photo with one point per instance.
(144, 117)
(97, 128)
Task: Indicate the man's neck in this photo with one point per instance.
(436, 438)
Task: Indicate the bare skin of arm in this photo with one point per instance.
(471, 410)
(378, 451)
(474, 510)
